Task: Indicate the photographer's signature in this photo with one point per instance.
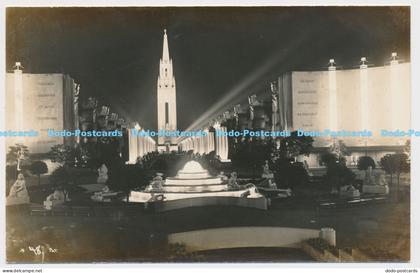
(39, 250)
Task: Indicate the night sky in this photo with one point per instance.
(114, 52)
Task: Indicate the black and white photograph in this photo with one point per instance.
(208, 134)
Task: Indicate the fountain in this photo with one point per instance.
(193, 186)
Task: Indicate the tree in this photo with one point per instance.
(339, 175)
(386, 164)
(337, 172)
(62, 154)
(294, 145)
(11, 175)
(61, 178)
(289, 174)
(396, 164)
(328, 159)
(127, 177)
(18, 151)
(407, 148)
(251, 154)
(38, 168)
(365, 162)
(340, 150)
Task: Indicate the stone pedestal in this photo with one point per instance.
(349, 191)
(50, 204)
(376, 189)
(328, 234)
(11, 201)
(102, 174)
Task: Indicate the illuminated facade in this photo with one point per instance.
(368, 98)
(353, 100)
(138, 146)
(40, 102)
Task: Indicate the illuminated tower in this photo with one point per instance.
(166, 99)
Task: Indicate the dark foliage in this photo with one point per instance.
(365, 162)
(38, 168)
(289, 174)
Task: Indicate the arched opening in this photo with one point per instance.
(166, 113)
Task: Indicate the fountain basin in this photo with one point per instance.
(143, 197)
(192, 187)
(193, 181)
(188, 189)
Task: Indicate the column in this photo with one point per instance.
(19, 109)
(395, 96)
(224, 145)
(211, 142)
(146, 146)
(364, 94)
(195, 144)
(132, 147)
(188, 144)
(200, 145)
(140, 146)
(332, 89)
(205, 142)
(218, 139)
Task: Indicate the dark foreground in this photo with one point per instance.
(128, 233)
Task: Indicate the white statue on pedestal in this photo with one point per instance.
(18, 189)
(18, 193)
(102, 174)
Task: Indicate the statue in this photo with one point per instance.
(57, 195)
(232, 183)
(103, 195)
(18, 193)
(56, 198)
(306, 167)
(267, 173)
(105, 189)
(157, 183)
(18, 189)
(102, 174)
(223, 176)
(349, 191)
(369, 177)
(374, 177)
(272, 185)
(20, 158)
(374, 182)
(380, 178)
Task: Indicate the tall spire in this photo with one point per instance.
(165, 54)
(166, 99)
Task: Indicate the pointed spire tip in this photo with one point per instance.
(165, 54)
